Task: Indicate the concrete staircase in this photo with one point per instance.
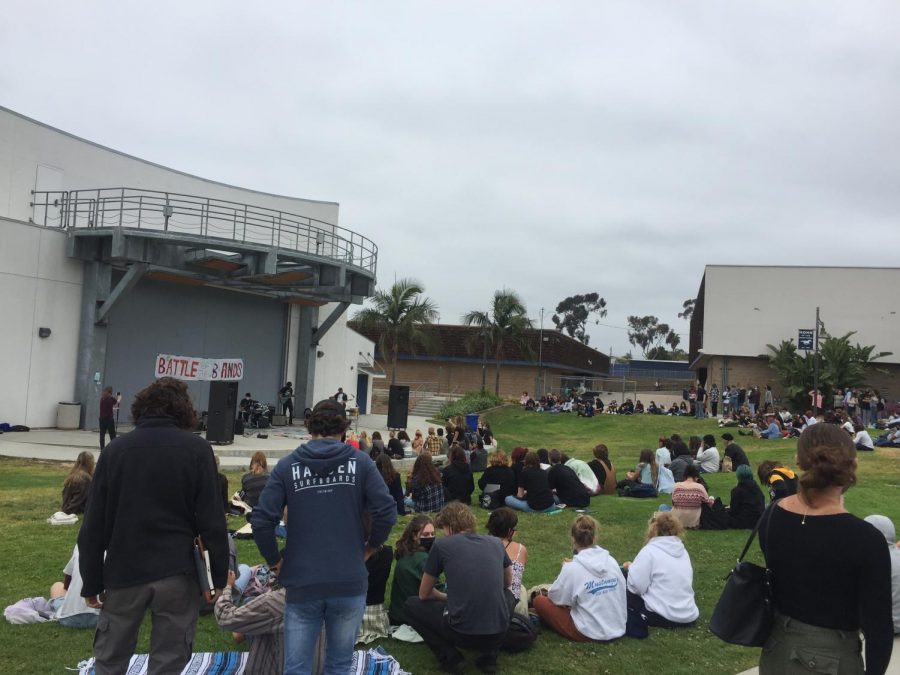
(431, 404)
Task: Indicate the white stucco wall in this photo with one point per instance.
(40, 287)
(747, 307)
(72, 163)
(338, 366)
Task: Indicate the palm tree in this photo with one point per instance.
(504, 323)
(398, 316)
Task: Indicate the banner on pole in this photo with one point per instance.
(805, 339)
(195, 369)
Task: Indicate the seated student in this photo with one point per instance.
(708, 456)
(584, 472)
(661, 578)
(642, 481)
(747, 500)
(394, 446)
(861, 439)
(780, 481)
(890, 439)
(502, 524)
(478, 456)
(544, 457)
(424, 488)
(78, 484)
(884, 525)
(588, 599)
(377, 446)
(475, 611)
(418, 443)
(534, 493)
(65, 598)
(772, 430)
(603, 469)
(375, 623)
(565, 482)
(457, 477)
(262, 621)
(392, 478)
(501, 474)
(410, 554)
(734, 452)
(687, 498)
(517, 461)
(253, 482)
(664, 452)
(638, 407)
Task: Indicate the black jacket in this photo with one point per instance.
(747, 505)
(154, 490)
(458, 482)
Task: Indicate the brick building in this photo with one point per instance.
(458, 363)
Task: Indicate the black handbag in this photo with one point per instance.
(745, 610)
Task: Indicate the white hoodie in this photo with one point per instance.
(593, 586)
(662, 575)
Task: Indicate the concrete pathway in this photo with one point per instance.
(64, 445)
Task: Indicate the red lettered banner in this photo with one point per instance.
(197, 369)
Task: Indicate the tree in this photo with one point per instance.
(398, 316)
(841, 365)
(573, 312)
(687, 309)
(503, 324)
(649, 334)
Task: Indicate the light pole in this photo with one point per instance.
(484, 360)
(816, 394)
(541, 355)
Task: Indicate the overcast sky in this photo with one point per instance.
(552, 148)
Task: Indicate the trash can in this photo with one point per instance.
(68, 415)
(472, 421)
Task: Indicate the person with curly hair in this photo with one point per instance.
(153, 491)
(831, 570)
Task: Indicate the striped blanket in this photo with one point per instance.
(372, 662)
(201, 663)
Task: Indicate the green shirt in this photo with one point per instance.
(407, 578)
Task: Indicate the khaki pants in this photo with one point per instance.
(174, 604)
(795, 647)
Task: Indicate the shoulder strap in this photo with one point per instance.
(767, 516)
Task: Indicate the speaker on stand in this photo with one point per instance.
(223, 398)
(398, 406)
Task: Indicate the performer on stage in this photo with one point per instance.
(286, 398)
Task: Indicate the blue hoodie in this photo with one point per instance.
(326, 486)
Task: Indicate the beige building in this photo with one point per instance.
(741, 309)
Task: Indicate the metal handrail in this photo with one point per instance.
(204, 216)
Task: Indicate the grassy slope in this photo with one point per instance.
(33, 553)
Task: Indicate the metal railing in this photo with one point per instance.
(203, 216)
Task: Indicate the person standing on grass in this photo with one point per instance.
(107, 418)
(326, 486)
(153, 491)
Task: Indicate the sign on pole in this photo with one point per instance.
(805, 339)
(194, 369)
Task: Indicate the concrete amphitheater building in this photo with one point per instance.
(108, 261)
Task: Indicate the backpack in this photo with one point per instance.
(491, 500)
(520, 635)
(790, 484)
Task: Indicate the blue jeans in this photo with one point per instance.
(302, 624)
(522, 505)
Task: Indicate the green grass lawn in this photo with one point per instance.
(34, 553)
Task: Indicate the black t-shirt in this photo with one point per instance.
(537, 488)
(473, 565)
(458, 481)
(737, 455)
(833, 572)
(568, 486)
(252, 485)
(395, 448)
(503, 476)
(599, 469)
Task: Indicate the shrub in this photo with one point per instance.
(472, 402)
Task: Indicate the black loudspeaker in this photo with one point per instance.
(398, 406)
(223, 397)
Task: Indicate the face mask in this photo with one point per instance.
(426, 542)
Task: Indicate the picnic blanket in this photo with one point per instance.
(201, 663)
(372, 662)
